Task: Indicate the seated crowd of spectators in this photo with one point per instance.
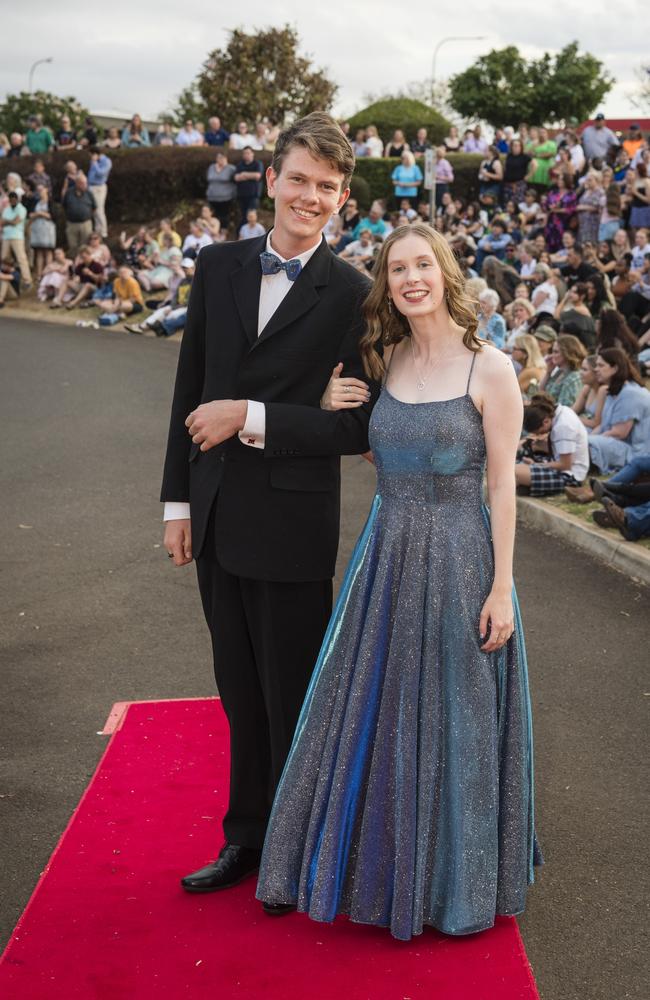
(555, 248)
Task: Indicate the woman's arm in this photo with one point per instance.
(502, 409)
(580, 402)
(620, 431)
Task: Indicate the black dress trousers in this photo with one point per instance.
(266, 637)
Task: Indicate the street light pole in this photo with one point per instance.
(449, 38)
(33, 67)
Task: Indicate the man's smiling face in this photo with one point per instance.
(307, 192)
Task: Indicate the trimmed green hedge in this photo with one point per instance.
(147, 184)
(401, 112)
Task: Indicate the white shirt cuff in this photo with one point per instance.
(254, 430)
(174, 510)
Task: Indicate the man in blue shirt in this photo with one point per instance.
(493, 243)
(100, 168)
(215, 134)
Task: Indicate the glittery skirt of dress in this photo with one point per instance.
(407, 797)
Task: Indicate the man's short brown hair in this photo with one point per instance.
(321, 136)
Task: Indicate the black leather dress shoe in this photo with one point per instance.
(233, 865)
(278, 909)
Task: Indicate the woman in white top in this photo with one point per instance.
(373, 143)
(568, 446)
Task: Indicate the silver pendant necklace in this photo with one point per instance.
(423, 379)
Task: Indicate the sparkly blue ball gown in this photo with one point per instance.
(407, 796)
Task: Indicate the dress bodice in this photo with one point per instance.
(431, 453)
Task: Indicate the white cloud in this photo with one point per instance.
(140, 56)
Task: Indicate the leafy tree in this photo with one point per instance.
(258, 75)
(503, 88)
(641, 96)
(401, 112)
(17, 108)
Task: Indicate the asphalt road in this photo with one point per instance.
(92, 613)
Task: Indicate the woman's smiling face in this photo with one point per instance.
(415, 281)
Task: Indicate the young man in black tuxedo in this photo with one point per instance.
(257, 460)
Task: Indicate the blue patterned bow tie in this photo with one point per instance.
(272, 264)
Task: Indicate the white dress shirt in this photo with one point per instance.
(273, 289)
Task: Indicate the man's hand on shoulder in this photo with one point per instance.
(211, 423)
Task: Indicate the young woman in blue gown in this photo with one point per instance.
(407, 798)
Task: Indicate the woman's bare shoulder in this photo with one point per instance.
(491, 361)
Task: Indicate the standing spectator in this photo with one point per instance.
(500, 141)
(135, 135)
(475, 143)
(79, 208)
(561, 209)
(40, 176)
(640, 193)
(113, 140)
(452, 141)
(634, 141)
(16, 145)
(222, 189)
(490, 175)
(624, 430)
(359, 144)
(251, 228)
(165, 135)
(491, 324)
(598, 140)
(562, 378)
(543, 152)
(576, 153)
(611, 216)
(241, 138)
(515, 173)
(248, 176)
(407, 178)
(39, 139)
(65, 137)
(261, 136)
(373, 142)
(42, 232)
(589, 208)
(100, 168)
(444, 173)
(13, 236)
(568, 462)
(188, 135)
(396, 146)
(421, 143)
(70, 176)
(216, 135)
(89, 135)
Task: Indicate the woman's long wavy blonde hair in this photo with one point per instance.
(388, 326)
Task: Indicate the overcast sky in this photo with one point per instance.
(137, 56)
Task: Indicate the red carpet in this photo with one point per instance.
(109, 920)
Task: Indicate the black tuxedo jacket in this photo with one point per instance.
(277, 509)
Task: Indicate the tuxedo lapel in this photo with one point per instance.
(245, 282)
(303, 295)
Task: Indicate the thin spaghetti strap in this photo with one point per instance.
(471, 369)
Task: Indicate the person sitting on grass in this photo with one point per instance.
(174, 306)
(87, 275)
(158, 270)
(624, 429)
(211, 224)
(562, 380)
(252, 227)
(526, 354)
(196, 239)
(9, 282)
(567, 462)
(361, 251)
(625, 499)
(127, 295)
(54, 275)
(589, 404)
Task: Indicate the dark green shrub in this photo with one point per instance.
(360, 189)
(404, 113)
